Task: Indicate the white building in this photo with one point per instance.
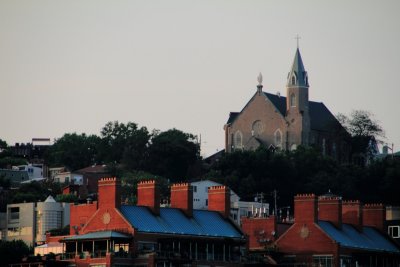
(69, 178)
(33, 171)
(238, 208)
(30, 221)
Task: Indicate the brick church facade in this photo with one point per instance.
(283, 123)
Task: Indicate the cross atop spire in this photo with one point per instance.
(297, 39)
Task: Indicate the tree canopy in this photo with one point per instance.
(305, 170)
(75, 151)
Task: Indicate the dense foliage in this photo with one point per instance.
(12, 251)
(306, 171)
(169, 154)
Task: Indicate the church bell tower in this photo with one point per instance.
(297, 105)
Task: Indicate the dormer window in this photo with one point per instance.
(293, 79)
(292, 100)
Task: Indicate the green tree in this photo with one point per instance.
(3, 145)
(31, 192)
(124, 143)
(365, 133)
(171, 153)
(13, 251)
(75, 151)
(68, 198)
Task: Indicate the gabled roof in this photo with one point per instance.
(232, 116)
(175, 222)
(93, 169)
(98, 235)
(321, 119)
(369, 239)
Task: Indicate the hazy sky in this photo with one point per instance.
(72, 66)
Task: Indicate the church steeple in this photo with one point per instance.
(297, 76)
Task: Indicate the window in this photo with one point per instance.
(293, 82)
(257, 127)
(292, 100)
(278, 138)
(394, 231)
(13, 214)
(323, 260)
(194, 188)
(238, 140)
(206, 202)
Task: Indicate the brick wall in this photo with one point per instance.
(182, 197)
(352, 213)
(330, 209)
(305, 208)
(261, 232)
(219, 199)
(374, 215)
(80, 215)
(148, 194)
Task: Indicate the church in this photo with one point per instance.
(283, 123)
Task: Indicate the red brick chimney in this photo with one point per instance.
(148, 194)
(109, 193)
(330, 209)
(352, 213)
(305, 208)
(182, 197)
(374, 215)
(219, 199)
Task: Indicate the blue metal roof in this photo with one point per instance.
(368, 239)
(98, 235)
(174, 221)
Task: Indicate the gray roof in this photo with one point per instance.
(321, 119)
(232, 116)
(299, 71)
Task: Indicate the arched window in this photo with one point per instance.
(292, 100)
(238, 140)
(278, 138)
(306, 78)
(257, 127)
(293, 79)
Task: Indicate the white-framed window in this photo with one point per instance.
(394, 231)
(292, 100)
(238, 139)
(323, 260)
(278, 138)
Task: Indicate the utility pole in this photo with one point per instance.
(275, 193)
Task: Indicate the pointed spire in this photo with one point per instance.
(297, 75)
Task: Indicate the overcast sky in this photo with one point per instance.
(72, 66)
